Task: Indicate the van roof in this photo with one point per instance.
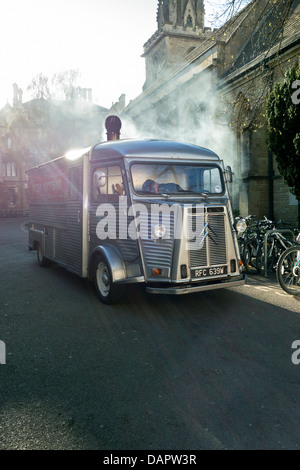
(151, 148)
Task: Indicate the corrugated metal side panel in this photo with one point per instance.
(128, 247)
(74, 239)
(51, 218)
(53, 215)
(62, 221)
(47, 209)
(156, 253)
(60, 247)
(49, 242)
(74, 223)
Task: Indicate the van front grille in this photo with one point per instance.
(209, 245)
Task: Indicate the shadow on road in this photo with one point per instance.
(211, 370)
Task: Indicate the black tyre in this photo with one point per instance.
(248, 256)
(42, 260)
(288, 270)
(108, 292)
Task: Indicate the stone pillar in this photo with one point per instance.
(244, 172)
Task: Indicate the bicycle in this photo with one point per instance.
(277, 243)
(242, 226)
(254, 245)
(246, 228)
(288, 269)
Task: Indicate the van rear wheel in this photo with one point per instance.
(40, 257)
(108, 292)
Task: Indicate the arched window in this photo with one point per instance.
(189, 21)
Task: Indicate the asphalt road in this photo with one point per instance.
(206, 371)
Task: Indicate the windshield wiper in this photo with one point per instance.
(205, 195)
(168, 195)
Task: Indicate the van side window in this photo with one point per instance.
(107, 183)
(211, 180)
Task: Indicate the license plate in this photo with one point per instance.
(208, 272)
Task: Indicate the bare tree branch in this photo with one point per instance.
(267, 40)
(225, 9)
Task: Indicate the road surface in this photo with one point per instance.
(210, 370)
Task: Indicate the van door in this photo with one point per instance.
(74, 237)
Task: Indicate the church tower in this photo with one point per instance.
(180, 26)
(181, 13)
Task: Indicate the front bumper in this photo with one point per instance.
(190, 289)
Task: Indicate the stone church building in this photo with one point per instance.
(201, 86)
(40, 130)
(209, 88)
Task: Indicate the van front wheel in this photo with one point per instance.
(108, 292)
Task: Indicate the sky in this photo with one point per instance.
(103, 39)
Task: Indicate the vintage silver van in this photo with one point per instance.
(156, 212)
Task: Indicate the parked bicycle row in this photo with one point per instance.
(266, 246)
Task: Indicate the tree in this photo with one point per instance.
(63, 86)
(267, 34)
(66, 84)
(283, 135)
(223, 10)
(39, 87)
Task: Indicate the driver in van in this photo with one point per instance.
(151, 186)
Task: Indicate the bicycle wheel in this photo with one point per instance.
(248, 256)
(288, 270)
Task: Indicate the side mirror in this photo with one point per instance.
(228, 174)
(99, 179)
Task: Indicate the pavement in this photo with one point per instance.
(269, 281)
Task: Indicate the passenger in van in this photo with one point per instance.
(151, 186)
(118, 189)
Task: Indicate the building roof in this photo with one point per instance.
(269, 35)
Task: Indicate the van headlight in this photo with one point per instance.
(159, 231)
(241, 225)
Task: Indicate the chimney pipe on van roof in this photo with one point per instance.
(113, 125)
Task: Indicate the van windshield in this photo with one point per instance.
(162, 178)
